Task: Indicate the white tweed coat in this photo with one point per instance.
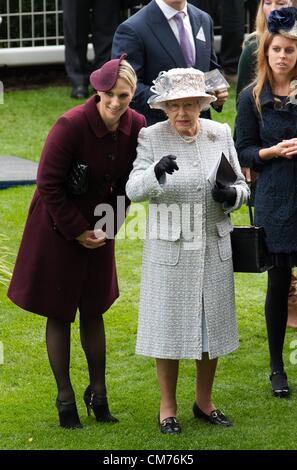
(182, 279)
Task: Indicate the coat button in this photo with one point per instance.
(199, 189)
(111, 156)
(114, 137)
(107, 177)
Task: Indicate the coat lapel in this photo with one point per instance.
(162, 31)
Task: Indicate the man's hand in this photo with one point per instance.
(222, 96)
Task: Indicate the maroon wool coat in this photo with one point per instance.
(54, 275)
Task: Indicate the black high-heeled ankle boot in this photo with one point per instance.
(99, 406)
(68, 415)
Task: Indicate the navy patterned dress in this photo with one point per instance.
(276, 193)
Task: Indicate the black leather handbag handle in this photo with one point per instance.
(250, 212)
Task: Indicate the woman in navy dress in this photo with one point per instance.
(266, 142)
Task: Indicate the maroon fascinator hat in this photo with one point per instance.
(105, 78)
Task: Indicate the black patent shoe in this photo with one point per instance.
(279, 383)
(99, 406)
(68, 415)
(169, 425)
(79, 92)
(215, 417)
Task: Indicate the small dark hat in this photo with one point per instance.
(283, 22)
(105, 78)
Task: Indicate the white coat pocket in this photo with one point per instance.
(224, 229)
(164, 252)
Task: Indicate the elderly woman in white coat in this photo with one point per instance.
(187, 292)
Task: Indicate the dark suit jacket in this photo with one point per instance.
(54, 274)
(151, 46)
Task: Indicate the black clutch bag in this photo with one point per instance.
(249, 250)
(77, 182)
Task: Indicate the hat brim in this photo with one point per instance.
(158, 102)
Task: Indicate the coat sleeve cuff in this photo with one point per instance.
(258, 162)
(145, 186)
(242, 194)
(71, 233)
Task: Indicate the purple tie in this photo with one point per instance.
(185, 43)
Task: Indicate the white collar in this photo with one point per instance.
(168, 11)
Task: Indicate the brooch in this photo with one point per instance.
(211, 136)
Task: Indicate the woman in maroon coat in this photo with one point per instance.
(62, 264)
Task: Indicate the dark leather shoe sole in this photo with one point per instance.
(215, 417)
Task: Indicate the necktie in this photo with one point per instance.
(185, 43)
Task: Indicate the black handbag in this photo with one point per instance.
(77, 181)
(249, 250)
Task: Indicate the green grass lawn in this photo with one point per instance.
(28, 418)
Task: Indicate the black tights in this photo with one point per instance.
(276, 313)
(92, 337)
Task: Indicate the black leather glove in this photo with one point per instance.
(166, 164)
(222, 193)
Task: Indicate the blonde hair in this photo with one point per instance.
(261, 22)
(264, 72)
(126, 72)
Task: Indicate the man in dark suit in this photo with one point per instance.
(80, 18)
(152, 40)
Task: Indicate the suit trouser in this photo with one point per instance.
(78, 22)
(252, 8)
(230, 14)
(232, 23)
(210, 6)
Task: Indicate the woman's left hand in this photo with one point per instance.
(249, 174)
(92, 239)
(222, 96)
(222, 193)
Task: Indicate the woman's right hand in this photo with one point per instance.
(167, 164)
(92, 239)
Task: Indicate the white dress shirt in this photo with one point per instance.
(169, 13)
